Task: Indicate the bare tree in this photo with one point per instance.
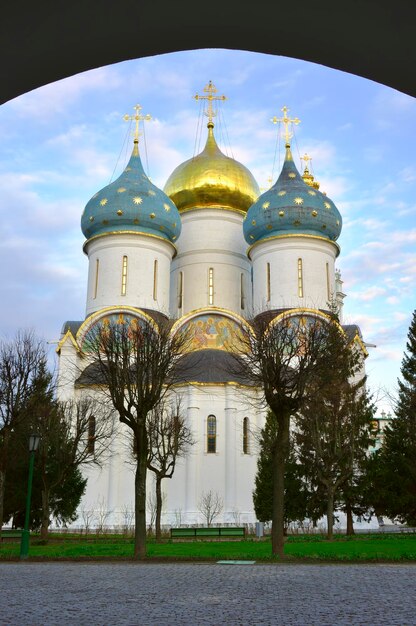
(134, 362)
(210, 506)
(101, 515)
(87, 518)
(283, 355)
(20, 359)
(73, 433)
(169, 439)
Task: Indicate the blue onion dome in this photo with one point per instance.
(292, 206)
(131, 204)
(212, 180)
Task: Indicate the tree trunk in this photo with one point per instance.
(140, 495)
(330, 514)
(158, 507)
(45, 515)
(280, 452)
(350, 524)
(2, 486)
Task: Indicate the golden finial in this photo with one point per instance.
(210, 90)
(307, 176)
(137, 118)
(286, 121)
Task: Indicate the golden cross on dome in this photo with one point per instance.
(137, 118)
(286, 121)
(210, 89)
(306, 158)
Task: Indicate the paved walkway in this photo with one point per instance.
(112, 594)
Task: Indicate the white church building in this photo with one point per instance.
(208, 252)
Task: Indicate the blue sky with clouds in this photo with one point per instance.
(65, 141)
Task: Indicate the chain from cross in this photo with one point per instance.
(210, 90)
(137, 118)
(286, 121)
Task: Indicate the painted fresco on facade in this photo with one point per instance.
(86, 341)
(212, 331)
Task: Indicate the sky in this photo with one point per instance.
(63, 142)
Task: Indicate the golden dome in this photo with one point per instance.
(212, 180)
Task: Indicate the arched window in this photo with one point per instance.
(242, 293)
(328, 287)
(211, 285)
(124, 276)
(268, 281)
(180, 290)
(300, 278)
(155, 280)
(211, 434)
(246, 436)
(91, 435)
(97, 269)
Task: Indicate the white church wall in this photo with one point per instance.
(211, 239)
(146, 284)
(309, 285)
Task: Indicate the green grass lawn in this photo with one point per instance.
(374, 547)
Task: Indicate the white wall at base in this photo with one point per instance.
(228, 472)
(141, 251)
(317, 257)
(211, 238)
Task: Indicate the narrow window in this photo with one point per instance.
(97, 268)
(211, 434)
(155, 280)
(300, 279)
(124, 276)
(91, 435)
(246, 430)
(211, 285)
(328, 290)
(180, 290)
(242, 292)
(268, 281)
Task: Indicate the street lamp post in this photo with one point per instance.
(33, 446)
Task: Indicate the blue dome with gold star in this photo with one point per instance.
(131, 204)
(292, 207)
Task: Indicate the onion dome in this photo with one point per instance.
(293, 207)
(212, 180)
(131, 204)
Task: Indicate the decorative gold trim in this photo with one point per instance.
(360, 342)
(229, 383)
(304, 311)
(215, 208)
(290, 235)
(129, 232)
(67, 335)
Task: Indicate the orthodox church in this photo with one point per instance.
(208, 253)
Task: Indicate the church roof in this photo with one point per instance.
(131, 203)
(212, 180)
(292, 207)
(210, 366)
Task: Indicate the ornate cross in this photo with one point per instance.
(306, 158)
(137, 118)
(210, 90)
(286, 121)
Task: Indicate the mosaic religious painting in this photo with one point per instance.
(215, 332)
(127, 323)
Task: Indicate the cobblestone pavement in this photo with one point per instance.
(112, 594)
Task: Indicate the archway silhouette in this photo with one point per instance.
(48, 41)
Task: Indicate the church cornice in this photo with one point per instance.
(291, 236)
